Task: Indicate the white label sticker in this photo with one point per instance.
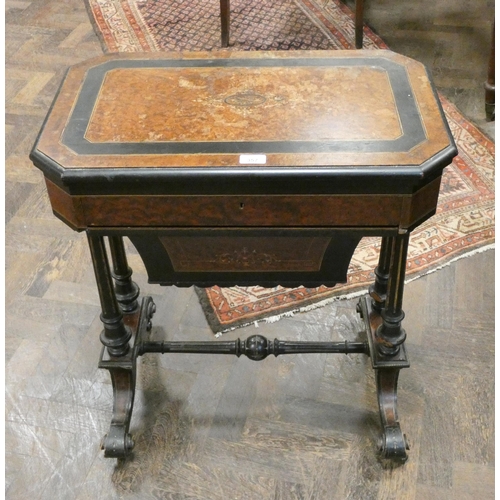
(253, 159)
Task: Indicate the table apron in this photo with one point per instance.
(304, 210)
(247, 256)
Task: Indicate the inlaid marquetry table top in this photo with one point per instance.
(272, 109)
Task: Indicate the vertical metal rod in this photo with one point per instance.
(115, 335)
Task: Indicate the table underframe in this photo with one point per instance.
(127, 322)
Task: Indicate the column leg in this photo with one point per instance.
(117, 356)
(115, 335)
(118, 442)
(126, 291)
(378, 291)
(393, 445)
(390, 333)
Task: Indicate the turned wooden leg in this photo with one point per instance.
(118, 442)
(390, 333)
(117, 356)
(115, 335)
(126, 291)
(382, 313)
(358, 23)
(393, 445)
(378, 291)
(224, 22)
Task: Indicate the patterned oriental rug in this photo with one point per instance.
(464, 222)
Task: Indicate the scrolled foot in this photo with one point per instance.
(393, 445)
(118, 443)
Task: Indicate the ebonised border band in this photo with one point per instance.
(413, 130)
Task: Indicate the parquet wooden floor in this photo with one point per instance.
(297, 427)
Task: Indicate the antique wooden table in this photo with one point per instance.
(255, 168)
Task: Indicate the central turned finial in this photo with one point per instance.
(255, 347)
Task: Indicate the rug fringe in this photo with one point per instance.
(291, 313)
(347, 296)
(455, 259)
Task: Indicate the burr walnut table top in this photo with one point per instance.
(357, 123)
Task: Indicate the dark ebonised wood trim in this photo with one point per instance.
(413, 130)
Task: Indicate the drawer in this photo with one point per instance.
(225, 210)
(339, 210)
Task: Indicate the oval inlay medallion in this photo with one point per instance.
(245, 99)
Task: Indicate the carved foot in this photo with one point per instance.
(118, 443)
(393, 444)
